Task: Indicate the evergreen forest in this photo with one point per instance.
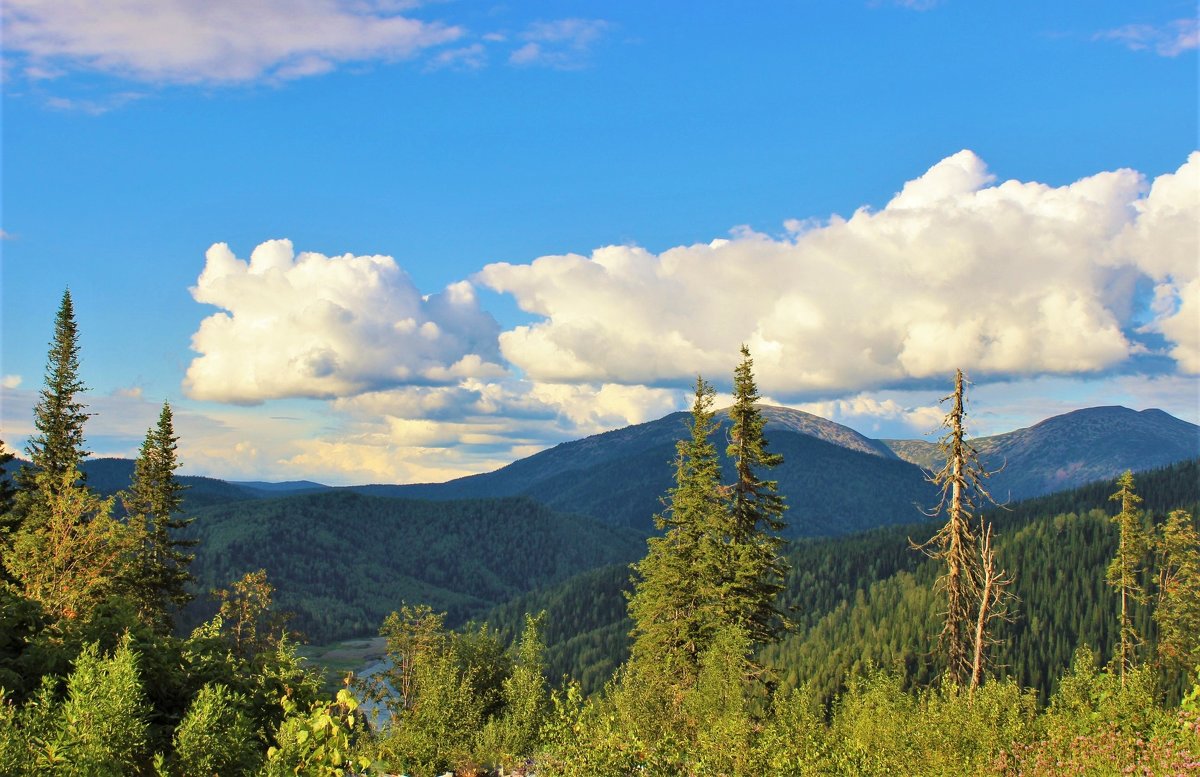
(144, 633)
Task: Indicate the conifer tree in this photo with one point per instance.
(753, 571)
(58, 446)
(668, 605)
(1124, 572)
(70, 558)
(1178, 610)
(160, 576)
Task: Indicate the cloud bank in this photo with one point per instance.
(323, 327)
(1042, 293)
(217, 41)
(1015, 278)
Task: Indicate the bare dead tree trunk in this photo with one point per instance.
(956, 542)
(993, 603)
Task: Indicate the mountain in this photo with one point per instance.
(836, 480)
(342, 561)
(1069, 450)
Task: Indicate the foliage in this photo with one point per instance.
(100, 728)
(673, 602)
(159, 576)
(318, 741)
(455, 699)
(57, 448)
(516, 733)
(247, 618)
(1124, 572)
(751, 572)
(216, 736)
(69, 555)
(1177, 613)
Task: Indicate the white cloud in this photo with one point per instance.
(1167, 40)
(470, 57)
(319, 326)
(880, 415)
(10, 381)
(563, 43)
(1019, 278)
(1164, 243)
(218, 41)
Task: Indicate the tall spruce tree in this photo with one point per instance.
(56, 450)
(753, 571)
(159, 577)
(1124, 572)
(671, 602)
(58, 446)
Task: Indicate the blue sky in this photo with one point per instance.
(574, 207)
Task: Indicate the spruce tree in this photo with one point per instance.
(58, 446)
(673, 583)
(753, 572)
(1124, 572)
(160, 575)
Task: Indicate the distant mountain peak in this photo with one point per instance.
(1072, 448)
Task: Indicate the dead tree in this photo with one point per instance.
(957, 543)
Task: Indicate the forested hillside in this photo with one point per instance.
(342, 561)
(869, 596)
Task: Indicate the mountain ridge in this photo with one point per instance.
(1070, 449)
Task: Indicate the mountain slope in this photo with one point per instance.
(870, 594)
(342, 561)
(836, 480)
(1072, 449)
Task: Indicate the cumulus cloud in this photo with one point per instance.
(1167, 40)
(311, 325)
(1163, 243)
(10, 381)
(1015, 278)
(219, 41)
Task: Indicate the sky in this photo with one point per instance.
(398, 241)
